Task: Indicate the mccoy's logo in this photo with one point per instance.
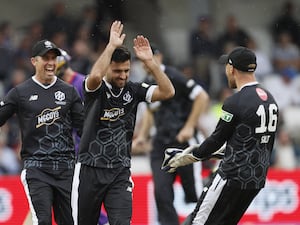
(112, 114)
(48, 116)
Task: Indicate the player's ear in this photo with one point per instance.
(230, 68)
(33, 60)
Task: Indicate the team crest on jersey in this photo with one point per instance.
(262, 94)
(226, 116)
(127, 98)
(48, 116)
(2, 103)
(60, 97)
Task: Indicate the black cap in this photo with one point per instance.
(43, 46)
(240, 58)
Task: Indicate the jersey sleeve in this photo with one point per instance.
(8, 106)
(183, 85)
(224, 129)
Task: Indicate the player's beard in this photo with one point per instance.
(118, 83)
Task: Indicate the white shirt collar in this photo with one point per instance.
(42, 85)
(249, 84)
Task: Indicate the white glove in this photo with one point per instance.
(175, 157)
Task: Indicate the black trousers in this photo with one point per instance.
(163, 186)
(47, 190)
(221, 204)
(93, 187)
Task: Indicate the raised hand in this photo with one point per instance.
(116, 37)
(142, 48)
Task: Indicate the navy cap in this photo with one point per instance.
(43, 46)
(240, 58)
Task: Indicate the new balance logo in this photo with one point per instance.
(33, 97)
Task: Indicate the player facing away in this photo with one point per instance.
(102, 172)
(247, 126)
(47, 109)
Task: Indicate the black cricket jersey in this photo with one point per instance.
(248, 124)
(170, 115)
(46, 115)
(109, 123)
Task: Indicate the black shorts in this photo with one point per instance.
(46, 189)
(93, 186)
(222, 204)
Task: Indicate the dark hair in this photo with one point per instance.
(121, 54)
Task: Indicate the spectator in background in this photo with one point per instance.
(17, 76)
(286, 22)
(81, 56)
(9, 160)
(285, 154)
(6, 52)
(285, 87)
(35, 31)
(86, 28)
(22, 54)
(202, 49)
(7, 32)
(264, 64)
(233, 34)
(56, 20)
(32, 34)
(286, 54)
(60, 38)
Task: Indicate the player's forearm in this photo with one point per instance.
(100, 67)
(207, 148)
(198, 108)
(165, 89)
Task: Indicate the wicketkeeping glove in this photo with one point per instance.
(175, 157)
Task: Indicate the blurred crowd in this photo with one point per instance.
(85, 37)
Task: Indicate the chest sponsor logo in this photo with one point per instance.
(48, 117)
(112, 114)
(226, 116)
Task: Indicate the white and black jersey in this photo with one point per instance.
(109, 124)
(248, 125)
(46, 119)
